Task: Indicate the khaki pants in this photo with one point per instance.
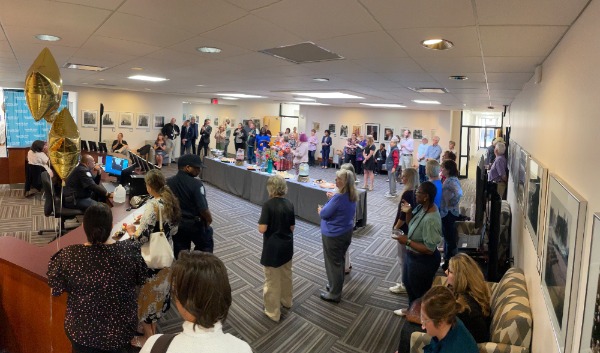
(277, 290)
(501, 187)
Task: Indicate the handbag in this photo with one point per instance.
(157, 252)
(414, 312)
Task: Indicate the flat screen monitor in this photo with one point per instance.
(93, 146)
(84, 145)
(115, 165)
(102, 147)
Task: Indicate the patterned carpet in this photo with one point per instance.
(362, 322)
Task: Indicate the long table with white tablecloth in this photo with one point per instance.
(252, 186)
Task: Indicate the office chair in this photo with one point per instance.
(32, 177)
(52, 207)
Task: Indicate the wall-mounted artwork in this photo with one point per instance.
(522, 178)
(515, 165)
(373, 130)
(316, 126)
(590, 332)
(90, 118)
(537, 179)
(418, 134)
(343, 131)
(109, 119)
(216, 121)
(332, 130)
(143, 121)
(388, 133)
(257, 124)
(158, 122)
(564, 228)
(126, 119)
(356, 129)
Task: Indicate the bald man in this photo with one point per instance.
(83, 187)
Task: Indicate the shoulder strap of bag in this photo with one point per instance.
(162, 343)
(160, 222)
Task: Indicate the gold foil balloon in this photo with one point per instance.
(43, 87)
(64, 144)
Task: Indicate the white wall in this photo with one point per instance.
(558, 122)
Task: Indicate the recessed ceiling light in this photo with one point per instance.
(47, 37)
(147, 89)
(84, 67)
(231, 98)
(137, 68)
(307, 103)
(304, 99)
(199, 85)
(384, 105)
(100, 79)
(321, 79)
(147, 78)
(209, 50)
(458, 77)
(437, 44)
(328, 95)
(420, 101)
(84, 83)
(428, 89)
(239, 95)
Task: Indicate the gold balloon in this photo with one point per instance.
(43, 87)
(64, 144)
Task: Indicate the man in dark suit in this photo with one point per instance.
(205, 132)
(82, 188)
(193, 134)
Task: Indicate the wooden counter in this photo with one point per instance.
(31, 319)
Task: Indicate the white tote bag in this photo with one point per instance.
(157, 252)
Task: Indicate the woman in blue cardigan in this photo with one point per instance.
(337, 224)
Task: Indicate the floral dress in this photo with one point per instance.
(154, 298)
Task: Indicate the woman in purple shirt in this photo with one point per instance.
(337, 224)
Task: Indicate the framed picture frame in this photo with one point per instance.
(515, 165)
(109, 119)
(89, 118)
(357, 129)
(158, 122)
(332, 130)
(564, 228)
(126, 119)
(590, 331)
(372, 129)
(142, 121)
(316, 126)
(417, 134)
(521, 180)
(388, 133)
(537, 180)
(343, 131)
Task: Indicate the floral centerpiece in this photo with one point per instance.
(267, 158)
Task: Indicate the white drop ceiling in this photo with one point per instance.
(497, 44)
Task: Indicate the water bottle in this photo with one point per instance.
(120, 194)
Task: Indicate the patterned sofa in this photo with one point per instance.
(511, 327)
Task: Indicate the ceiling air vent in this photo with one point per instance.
(428, 89)
(105, 85)
(302, 53)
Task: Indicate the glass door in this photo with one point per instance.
(476, 134)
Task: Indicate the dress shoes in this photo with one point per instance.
(326, 297)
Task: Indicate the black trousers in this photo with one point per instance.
(203, 145)
(190, 232)
(418, 273)
(194, 146)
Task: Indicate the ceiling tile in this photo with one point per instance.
(532, 40)
(252, 5)
(513, 64)
(531, 12)
(440, 64)
(388, 65)
(364, 45)
(465, 40)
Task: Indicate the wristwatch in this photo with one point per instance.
(408, 241)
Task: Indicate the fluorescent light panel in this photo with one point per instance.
(307, 103)
(328, 95)
(147, 78)
(421, 101)
(85, 67)
(304, 99)
(47, 37)
(384, 105)
(239, 95)
(231, 98)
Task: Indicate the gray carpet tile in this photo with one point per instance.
(362, 322)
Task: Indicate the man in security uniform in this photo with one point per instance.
(83, 187)
(196, 218)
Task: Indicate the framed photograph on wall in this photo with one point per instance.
(373, 130)
(158, 122)
(143, 121)
(590, 332)
(126, 119)
(332, 130)
(316, 126)
(388, 133)
(109, 119)
(522, 178)
(537, 180)
(89, 118)
(417, 134)
(564, 229)
(515, 166)
(343, 131)
(357, 129)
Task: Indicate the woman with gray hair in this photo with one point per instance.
(337, 225)
(276, 223)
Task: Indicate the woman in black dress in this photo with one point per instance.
(369, 163)
(101, 280)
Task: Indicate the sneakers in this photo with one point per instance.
(401, 312)
(398, 288)
(386, 180)
(387, 194)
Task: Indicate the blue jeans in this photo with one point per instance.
(418, 273)
(325, 156)
(250, 154)
(422, 174)
(450, 236)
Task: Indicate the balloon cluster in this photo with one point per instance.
(43, 92)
